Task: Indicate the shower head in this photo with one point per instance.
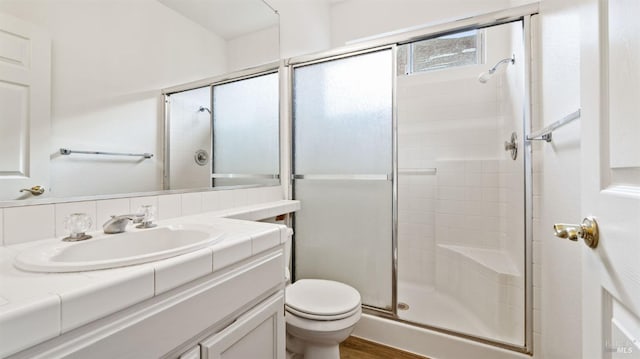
(203, 109)
(485, 76)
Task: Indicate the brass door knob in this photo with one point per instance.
(588, 231)
(35, 190)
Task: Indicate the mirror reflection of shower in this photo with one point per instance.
(485, 76)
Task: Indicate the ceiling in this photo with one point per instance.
(228, 19)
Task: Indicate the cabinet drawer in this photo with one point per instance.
(259, 333)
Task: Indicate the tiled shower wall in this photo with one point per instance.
(450, 125)
(457, 185)
(471, 203)
(416, 229)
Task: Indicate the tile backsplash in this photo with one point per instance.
(29, 223)
(23, 224)
(108, 207)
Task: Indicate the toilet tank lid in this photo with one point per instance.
(321, 297)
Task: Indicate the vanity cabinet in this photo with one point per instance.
(193, 353)
(256, 334)
(237, 312)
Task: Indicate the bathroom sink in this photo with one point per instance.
(117, 250)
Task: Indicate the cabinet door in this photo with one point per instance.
(193, 353)
(259, 333)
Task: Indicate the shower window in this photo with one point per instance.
(459, 49)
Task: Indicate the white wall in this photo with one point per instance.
(357, 19)
(253, 49)
(109, 61)
(558, 262)
(305, 26)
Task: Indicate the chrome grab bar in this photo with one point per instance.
(545, 134)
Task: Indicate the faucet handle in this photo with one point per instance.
(77, 224)
(147, 214)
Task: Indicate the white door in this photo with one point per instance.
(610, 95)
(25, 107)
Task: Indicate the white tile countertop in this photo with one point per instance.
(35, 307)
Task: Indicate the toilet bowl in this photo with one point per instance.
(319, 315)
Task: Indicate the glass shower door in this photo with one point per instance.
(342, 165)
(246, 132)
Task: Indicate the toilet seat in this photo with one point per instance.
(312, 316)
(319, 299)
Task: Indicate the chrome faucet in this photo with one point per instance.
(118, 224)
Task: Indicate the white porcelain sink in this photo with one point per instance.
(117, 250)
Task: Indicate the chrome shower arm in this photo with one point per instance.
(512, 59)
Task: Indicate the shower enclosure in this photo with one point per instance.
(460, 193)
(224, 132)
(414, 178)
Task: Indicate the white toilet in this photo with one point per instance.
(319, 315)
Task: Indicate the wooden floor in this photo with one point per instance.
(356, 348)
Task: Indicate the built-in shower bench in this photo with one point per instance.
(486, 281)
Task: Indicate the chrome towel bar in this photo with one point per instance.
(66, 151)
(545, 134)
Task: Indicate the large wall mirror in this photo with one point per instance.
(92, 72)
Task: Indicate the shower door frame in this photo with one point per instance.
(265, 69)
(521, 13)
